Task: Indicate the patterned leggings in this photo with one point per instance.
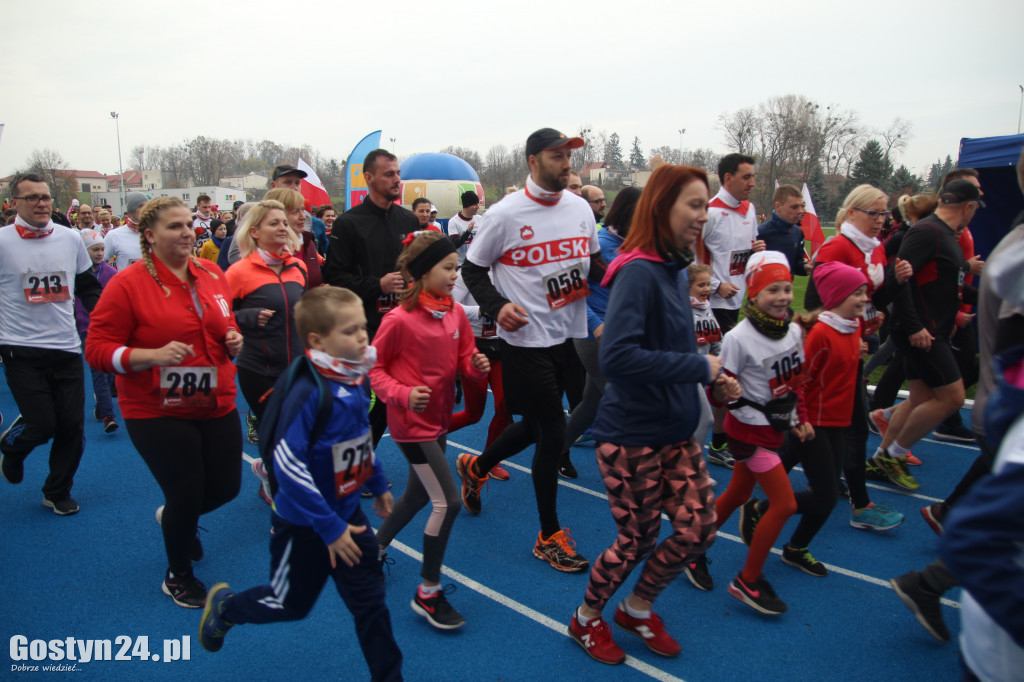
(641, 483)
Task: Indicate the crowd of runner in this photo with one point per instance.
(666, 321)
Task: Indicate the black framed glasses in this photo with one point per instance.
(34, 199)
(875, 215)
(602, 200)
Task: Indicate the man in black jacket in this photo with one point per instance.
(364, 246)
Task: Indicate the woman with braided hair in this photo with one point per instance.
(165, 327)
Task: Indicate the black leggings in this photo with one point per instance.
(197, 464)
(821, 458)
(254, 386)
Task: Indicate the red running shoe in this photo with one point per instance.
(596, 639)
(650, 630)
(499, 473)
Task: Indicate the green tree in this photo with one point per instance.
(613, 153)
(819, 193)
(637, 161)
(871, 167)
(903, 182)
(938, 171)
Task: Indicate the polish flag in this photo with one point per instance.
(312, 189)
(810, 225)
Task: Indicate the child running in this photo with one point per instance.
(319, 529)
(833, 350)
(101, 381)
(709, 342)
(765, 353)
(420, 347)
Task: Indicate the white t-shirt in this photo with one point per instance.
(37, 288)
(539, 257)
(728, 235)
(122, 246)
(457, 226)
(766, 368)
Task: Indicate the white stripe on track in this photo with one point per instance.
(524, 610)
(735, 538)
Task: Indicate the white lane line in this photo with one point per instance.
(524, 610)
(735, 538)
(893, 489)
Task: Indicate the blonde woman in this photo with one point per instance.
(294, 206)
(164, 325)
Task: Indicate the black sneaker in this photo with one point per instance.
(437, 610)
(212, 626)
(873, 473)
(110, 425)
(186, 590)
(65, 506)
(802, 559)
(12, 467)
(565, 467)
(750, 515)
(253, 428)
(954, 432)
(697, 572)
(922, 602)
(559, 550)
(759, 596)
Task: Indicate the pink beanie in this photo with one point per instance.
(91, 238)
(835, 281)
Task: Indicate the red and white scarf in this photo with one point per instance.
(540, 195)
(343, 371)
(698, 304)
(272, 258)
(438, 307)
(132, 225)
(840, 324)
(26, 231)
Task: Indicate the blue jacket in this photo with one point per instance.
(311, 476)
(649, 357)
(320, 235)
(778, 235)
(597, 302)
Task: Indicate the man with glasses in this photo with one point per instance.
(924, 319)
(43, 266)
(85, 218)
(595, 197)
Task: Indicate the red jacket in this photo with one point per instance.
(416, 349)
(831, 387)
(134, 312)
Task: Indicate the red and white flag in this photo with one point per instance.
(312, 189)
(810, 225)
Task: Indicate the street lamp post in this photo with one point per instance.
(682, 131)
(120, 183)
(393, 144)
(1021, 109)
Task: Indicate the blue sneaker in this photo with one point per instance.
(212, 626)
(874, 517)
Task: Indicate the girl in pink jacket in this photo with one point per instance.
(421, 345)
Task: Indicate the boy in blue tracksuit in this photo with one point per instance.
(319, 529)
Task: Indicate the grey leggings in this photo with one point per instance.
(583, 416)
(430, 480)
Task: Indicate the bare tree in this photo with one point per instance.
(52, 166)
(896, 136)
(741, 129)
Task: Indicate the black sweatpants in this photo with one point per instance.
(254, 386)
(821, 457)
(198, 465)
(49, 388)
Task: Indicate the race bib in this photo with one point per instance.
(45, 287)
(785, 371)
(708, 331)
(386, 303)
(872, 320)
(488, 327)
(738, 261)
(188, 387)
(353, 464)
(566, 286)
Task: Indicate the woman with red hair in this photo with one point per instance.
(650, 409)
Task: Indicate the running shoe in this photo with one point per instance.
(212, 626)
(721, 456)
(252, 429)
(565, 467)
(110, 424)
(651, 630)
(758, 595)
(802, 559)
(499, 473)
(65, 506)
(875, 517)
(596, 639)
(750, 515)
(560, 551)
(12, 467)
(877, 419)
(697, 572)
(956, 433)
(259, 469)
(911, 460)
(895, 470)
(471, 483)
(873, 473)
(934, 515)
(185, 590)
(922, 602)
(437, 610)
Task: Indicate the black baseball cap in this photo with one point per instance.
(549, 138)
(958, 191)
(286, 169)
(236, 205)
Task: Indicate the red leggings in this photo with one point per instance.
(475, 395)
(776, 485)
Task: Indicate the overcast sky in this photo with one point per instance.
(326, 72)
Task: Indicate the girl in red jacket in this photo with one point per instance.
(421, 345)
